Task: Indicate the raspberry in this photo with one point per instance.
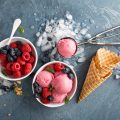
(17, 74)
(45, 92)
(8, 72)
(2, 57)
(58, 66)
(26, 56)
(20, 60)
(45, 100)
(13, 45)
(26, 48)
(32, 59)
(28, 68)
(9, 66)
(16, 66)
(4, 63)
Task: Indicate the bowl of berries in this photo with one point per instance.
(17, 60)
(54, 84)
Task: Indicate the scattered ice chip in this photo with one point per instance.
(48, 29)
(32, 27)
(81, 59)
(53, 52)
(46, 47)
(87, 36)
(69, 16)
(83, 24)
(117, 76)
(80, 50)
(37, 34)
(38, 43)
(84, 31)
(91, 21)
(35, 14)
(37, 19)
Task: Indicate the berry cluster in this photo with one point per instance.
(45, 93)
(17, 59)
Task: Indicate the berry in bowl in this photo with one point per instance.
(17, 60)
(54, 84)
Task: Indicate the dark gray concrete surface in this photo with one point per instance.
(104, 103)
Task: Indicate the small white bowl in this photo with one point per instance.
(71, 94)
(23, 40)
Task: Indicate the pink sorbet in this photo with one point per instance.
(44, 78)
(62, 84)
(58, 98)
(66, 47)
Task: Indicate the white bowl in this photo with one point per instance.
(71, 94)
(23, 40)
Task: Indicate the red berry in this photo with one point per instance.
(9, 66)
(20, 60)
(26, 48)
(8, 72)
(16, 66)
(17, 74)
(26, 56)
(4, 63)
(27, 68)
(32, 59)
(45, 92)
(2, 57)
(58, 66)
(45, 100)
(13, 45)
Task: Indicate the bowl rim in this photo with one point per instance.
(40, 69)
(36, 60)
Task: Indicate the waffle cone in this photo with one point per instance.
(100, 69)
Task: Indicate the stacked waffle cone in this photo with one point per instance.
(100, 69)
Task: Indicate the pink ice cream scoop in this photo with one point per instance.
(66, 47)
(58, 98)
(62, 84)
(44, 78)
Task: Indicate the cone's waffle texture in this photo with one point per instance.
(100, 69)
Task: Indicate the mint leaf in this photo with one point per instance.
(67, 99)
(21, 29)
(50, 70)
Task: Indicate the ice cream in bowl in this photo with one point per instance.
(54, 84)
(17, 60)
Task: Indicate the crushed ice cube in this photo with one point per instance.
(83, 24)
(37, 34)
(84, 31)
(80, 50)
(53, 52)
(87, 36)
(32, 27)
(35, 14)
(48, 29)
(46, 47)
(38, 43)
(69, 16)
(117, 76)
(91, 21)
(81, 59)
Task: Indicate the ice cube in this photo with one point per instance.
(35, 14)
(46, 47)
(37, 34)
(37, 19)
(87, 36)
(53, 52)
(91, 21)
(80, 50)
(84, 31)
(32, 27)
(83, 24)
(6, 83)
(81, 59)
(117, 76)
(39, 41)
(69, 16)
(48, 29)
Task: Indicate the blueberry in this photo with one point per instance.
(12, 52)
(49, 38)
(66, 70)
(3, 51)
(35, 84)
(10, 58)
(6, 47)
(50, 98)
(18, 53)
(16, 49)
(71, 76)
(36, 95)
(38, 89)
(14, 57)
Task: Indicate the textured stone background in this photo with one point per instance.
(104, 103)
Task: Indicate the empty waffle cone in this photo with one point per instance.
(100, 69)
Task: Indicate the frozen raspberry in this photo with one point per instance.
(26, 48)
(45, 100)
(45, 92)
(13, 45)
(32, 59)
(8, 72)
(20, 60)
(2, 57)
(16, 66)
(27, 68)
(58, 66)
(9, 66)
(26, 56)
(17, 74)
